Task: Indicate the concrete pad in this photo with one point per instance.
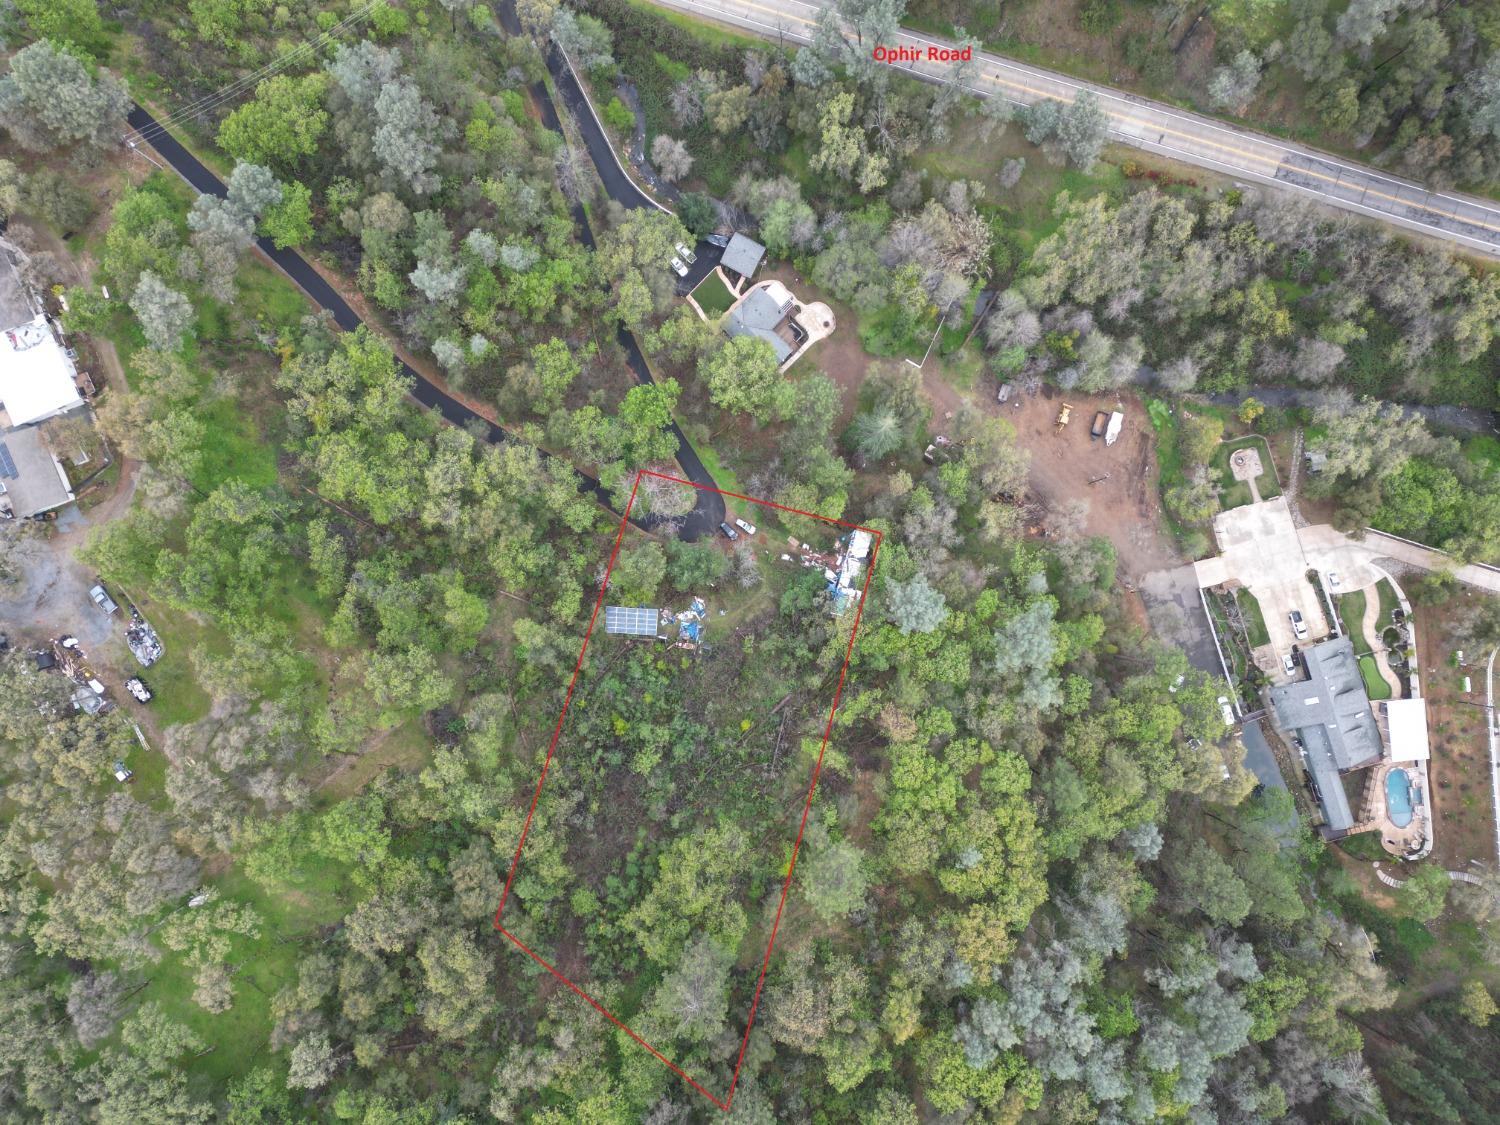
(1259, 548)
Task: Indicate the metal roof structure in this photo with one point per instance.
(32, 480)
(632, 621)
(1406, 720)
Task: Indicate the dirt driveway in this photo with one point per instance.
(51, 596)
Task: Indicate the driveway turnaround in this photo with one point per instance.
(1470, 223)
(1258, 547)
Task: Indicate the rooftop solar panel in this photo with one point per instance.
(631, 621)
(7, 463)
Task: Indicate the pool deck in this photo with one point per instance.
(1405, 842)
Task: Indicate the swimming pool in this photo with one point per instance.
(1398, 797)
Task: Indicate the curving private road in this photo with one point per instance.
(709, 510)
(1470, 223)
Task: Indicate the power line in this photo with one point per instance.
(239, 86)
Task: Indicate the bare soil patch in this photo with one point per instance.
(1123, 502)
(1462, 808)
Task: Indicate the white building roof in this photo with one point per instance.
(36, 375)
(859, 544)
(1407, 722)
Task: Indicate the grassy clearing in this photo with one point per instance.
(240, 1036)
(407, 748)
(233, 448)
(1168, 458)
(724, 475)
(713, 296)
(1483, 449)
(1375, 685)
(1255, 620)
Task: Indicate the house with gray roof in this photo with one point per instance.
(1330, 714)
(743, 256)
(766, 312)
(32, 479)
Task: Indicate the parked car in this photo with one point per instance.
(138, 689)
(102, 599)
(728, 531)
(685, 254)
(722, 240)
(1289, 664)
(747, 528)
(678, 268)
(1299, 627)
(1333, 580)
(1226, 710)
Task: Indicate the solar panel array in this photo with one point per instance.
(631, 621)
(7, 463)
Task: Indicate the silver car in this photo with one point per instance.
(102, 599)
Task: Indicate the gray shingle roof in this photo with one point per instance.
(1331, 713)
(758, 315)
(742, 255)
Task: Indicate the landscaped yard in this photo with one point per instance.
(1351, 607)
(1255, 620)
(1375, 685)
(713, 296)
(1388, 602)
(1234, 493)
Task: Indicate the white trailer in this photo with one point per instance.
(1112, 431)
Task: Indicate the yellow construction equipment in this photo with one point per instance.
(1064, 414)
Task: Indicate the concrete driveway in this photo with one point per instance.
(1260, 548)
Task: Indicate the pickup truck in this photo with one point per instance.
(102, 599)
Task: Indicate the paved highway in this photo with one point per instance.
(1471, 224)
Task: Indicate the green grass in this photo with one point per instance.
(1375, 685)
(1255, 620)
(1168, 457)
(1483, 449)
(713, 296)
(1388, 601)
(240, 1036)
(722, 474)
(233, 448)
(1366, 845)
(1235, 493)
(703, 30)
(1351, 610)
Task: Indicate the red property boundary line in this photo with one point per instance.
(786, 886)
